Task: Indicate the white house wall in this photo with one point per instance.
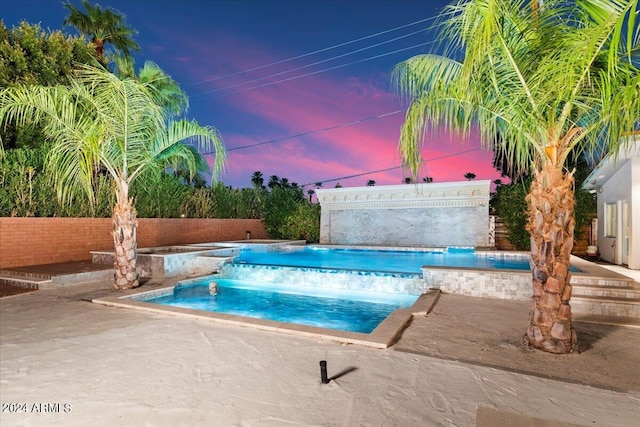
(434, 214)
(623, 186)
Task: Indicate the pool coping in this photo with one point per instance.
(383, 336)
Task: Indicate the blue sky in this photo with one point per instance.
(302, 85)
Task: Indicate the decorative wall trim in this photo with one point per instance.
(441, 214)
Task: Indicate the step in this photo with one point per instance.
(24, 274)
(628, 292)
(606, 306)
(630, 322)
(24, 282)
(603, 281)
(80, 277)
(21, 277)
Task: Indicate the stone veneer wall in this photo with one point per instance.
(435, 214)
(32, 241)
(511, 285)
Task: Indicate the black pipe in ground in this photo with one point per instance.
(323, 372)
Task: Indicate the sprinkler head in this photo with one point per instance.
(323, 372)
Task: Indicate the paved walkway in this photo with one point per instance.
(66, 361)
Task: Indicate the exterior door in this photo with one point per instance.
(625, 239)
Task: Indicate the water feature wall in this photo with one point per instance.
(411, 284)
(434, 214)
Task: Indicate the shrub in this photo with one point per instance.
(303, 224)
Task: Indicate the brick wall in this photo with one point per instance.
(33, 241)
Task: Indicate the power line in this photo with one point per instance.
(323, 70)
(312, 53)
(366, 119)
(389, 169)
(312, 64)
(284, 138)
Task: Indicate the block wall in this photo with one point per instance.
(33, 241)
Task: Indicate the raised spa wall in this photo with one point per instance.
(172, 261)
(433, 214)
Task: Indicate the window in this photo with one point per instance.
(610, 220)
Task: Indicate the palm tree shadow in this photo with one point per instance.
(589, 334)
(343, 373)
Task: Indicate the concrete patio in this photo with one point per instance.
(90, 364)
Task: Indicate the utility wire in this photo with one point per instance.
(312, 64)
(312, 53)
(392, 168)
(321, 71)
(342, 125)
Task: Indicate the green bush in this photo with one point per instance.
(159, 195)
(26, 190)
(510, 205)
(281, 203)
(303, 224)
(198, 203)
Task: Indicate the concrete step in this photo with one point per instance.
(42, 277)
(25, 274)
(24, 282)
(606, 306)
(604, 282)
(624, 292)
(80, 277)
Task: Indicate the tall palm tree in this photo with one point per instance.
(547, 80)
(274, 181)
(257, 180)
(470, 176)
(102, 122)
(166, 91)
(102, 26)
(167, 94)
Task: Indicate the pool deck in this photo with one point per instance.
(130, 367)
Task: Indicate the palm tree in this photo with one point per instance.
(274, 181)
(547, 80)
(470, 176)
(371, 183)
(190, 173)
(166, 91)
(101, 122)
(102, 26)
(257, 180)
(170, 96)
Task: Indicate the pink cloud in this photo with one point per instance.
(314, 103)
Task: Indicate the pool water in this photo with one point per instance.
(377, 260)
(355, 311)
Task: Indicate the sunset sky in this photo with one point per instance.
(297, 88)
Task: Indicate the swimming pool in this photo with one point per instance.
(354, 311)
(381, 260)
(392, 261)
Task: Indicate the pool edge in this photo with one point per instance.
(383, 336)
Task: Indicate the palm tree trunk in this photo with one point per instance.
(551, 222)
(124, 239)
